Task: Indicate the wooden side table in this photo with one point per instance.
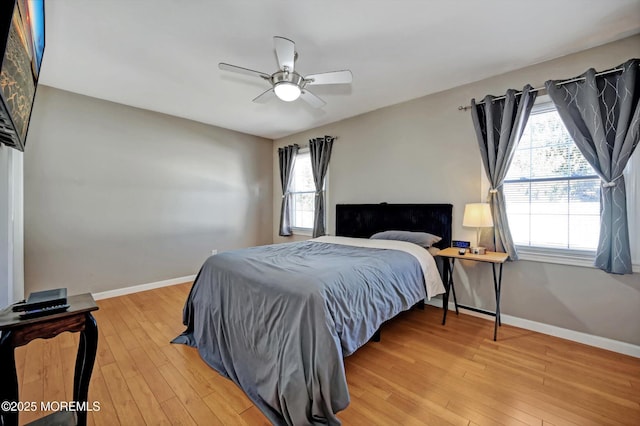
(16, 332)
(495, 258)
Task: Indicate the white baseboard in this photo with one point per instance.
(564, 333)
(142, 287)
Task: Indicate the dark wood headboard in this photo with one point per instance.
(364, 220)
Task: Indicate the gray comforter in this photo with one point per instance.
(278, 320)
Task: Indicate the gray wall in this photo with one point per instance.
(425, 151)
(117, 196)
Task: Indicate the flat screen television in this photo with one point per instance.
(22, 44)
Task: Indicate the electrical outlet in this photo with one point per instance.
(214, 251)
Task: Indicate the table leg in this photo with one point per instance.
(8, 379)
(452, 286)
(497, 286)
(449, 287)
(453, 290)
(84, 365)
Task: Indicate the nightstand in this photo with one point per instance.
(16, 332)
(495, 258)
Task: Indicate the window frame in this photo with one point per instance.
(557, 255)
(296, 230)
(632, 181)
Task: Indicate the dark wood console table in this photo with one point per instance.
(16, 332)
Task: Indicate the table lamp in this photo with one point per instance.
(477, 215)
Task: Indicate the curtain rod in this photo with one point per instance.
(537, 89)
(301, 146)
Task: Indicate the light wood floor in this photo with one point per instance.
(420, 374)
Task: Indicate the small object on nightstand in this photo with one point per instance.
(462, 251)
(42, 299)
(460, 244)
(40, 312)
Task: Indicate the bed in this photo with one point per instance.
(279, 319)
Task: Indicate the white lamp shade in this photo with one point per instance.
(287, 91)
(477, 215)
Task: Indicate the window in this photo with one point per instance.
(303, 193)
(552, 194)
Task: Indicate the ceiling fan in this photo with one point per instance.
(287, 84)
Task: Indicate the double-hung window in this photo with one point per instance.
(303, 194)
(552, 193)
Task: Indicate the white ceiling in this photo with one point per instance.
(162, 55)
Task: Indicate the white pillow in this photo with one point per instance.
(423, 239)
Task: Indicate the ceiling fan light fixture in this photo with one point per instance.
(287, 84)
(287, 91)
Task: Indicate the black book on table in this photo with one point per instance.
(43, 299)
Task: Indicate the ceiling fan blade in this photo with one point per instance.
(332, 77)
(286, 53)
(312, 99)
(241, 70)
(265, 97)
